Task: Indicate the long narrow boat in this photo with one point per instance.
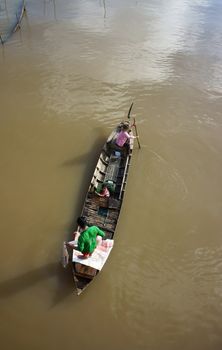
(112, 170)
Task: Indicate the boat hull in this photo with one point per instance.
(112, 168)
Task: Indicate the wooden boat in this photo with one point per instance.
(112, 168)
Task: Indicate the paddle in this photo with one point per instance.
(65, 255)
(134, 124)
(131, 106)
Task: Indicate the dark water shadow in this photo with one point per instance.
(82, 158)
(65, 278)
(65, 286)
(89, 159)
(90, 162)
(65, 283)
(88, 156)
(24, 281)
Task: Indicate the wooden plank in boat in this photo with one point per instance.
(113, 168)
(85, 271)
(114, 203)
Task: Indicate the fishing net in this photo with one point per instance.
(11, 12)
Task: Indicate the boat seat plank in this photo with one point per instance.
(85, 271)
(112, 169)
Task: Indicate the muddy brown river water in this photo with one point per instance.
(66, 78)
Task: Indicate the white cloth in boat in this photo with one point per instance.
(98, 257)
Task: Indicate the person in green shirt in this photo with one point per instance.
(88, 237)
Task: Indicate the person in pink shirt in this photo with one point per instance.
(121, 142)
(123, 136)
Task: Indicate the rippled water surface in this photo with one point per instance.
(66, 78)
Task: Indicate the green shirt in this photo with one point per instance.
(87, 239)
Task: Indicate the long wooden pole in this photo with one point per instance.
(128, 116)
(134, 124)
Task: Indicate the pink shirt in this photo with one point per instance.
(122, 137)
